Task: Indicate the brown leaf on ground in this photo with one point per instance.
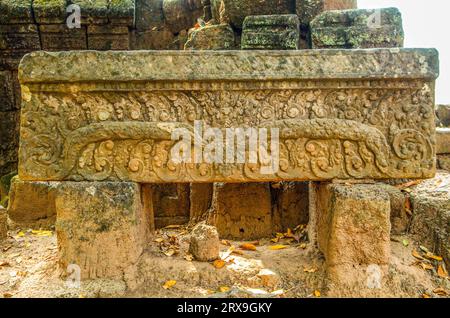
(440, 291)
(430, 255)
(248, 247)
(219, 263)
(317, 293)
(417, 255)
(169, 284)
(277, 247)
(442, 272)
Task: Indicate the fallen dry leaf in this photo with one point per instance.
(302, 246)
(440, 291)
(224, 289)
(442, 272)
(248, 247)
(7, 295)
(425, 295)
(408, 184)
(5, 264)
(169, 284)
(188, 257)
(417, 255)
(310, 270)
(159, 240)
(426, 266)
(225, 242)
(277, 247)
(317, 293)
(41, 233)
(172, 226)
(218, 263)
(430, 255)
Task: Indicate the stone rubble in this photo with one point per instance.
(204, 244)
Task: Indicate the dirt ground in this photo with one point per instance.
(286, 268)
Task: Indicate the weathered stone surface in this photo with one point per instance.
(32, 204)
(7, 102)
(443, 140)
(19, 38)
(241, 211)
(400, 213)
(57, 37)
(5, 183)
(431, 222)
(319, 101)
(151, 40)
(204, 244)
(309, 9)
(291, 209)
(108, 37)
(171, 204)
(443, 161)
(3, 223)
(353, 230)
(102, 227)
(235, 11)
(358, 29)
(271, 32)
(149, 14)
(211, 37)
(9, 141)
(93, 12)
(47, 12)
(16, 11)
(121, 12)
(200, 200)
(182, 14)
(443, 115)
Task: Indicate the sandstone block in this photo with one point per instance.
(19, 37)
(9, 141)
(235, 11)
(102, 227)
(149, 14)
(431, 222)
(200, 199)
(443, 140)
(5, 183)
(182, 14)
(108, 37)
(171, 204)
(7, 102)
(242, 211)
(211, 37)
(443, 115)
(121, 129)
(93, 12)
(358, 29)
(400, 215)
(444, 161)
(292, 202)
(307, 10)
(353, 229)
(151, 40)
(48, 12)
(271, 32)
(16, 11)
(121, 12)
(57, 37)
(3, 223)
(32, 204)
(204, 244)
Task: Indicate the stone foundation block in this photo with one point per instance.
(242, 211)
(442, 140)
(181, 14)
(309, 9)
(56, 37)
(16, 11)
(158, 39)
(353, 230)
(47, 12)
(9, 141)
(353, 29)
(235, 11)
(7, 102)
(121, 12)
(102, 227)
(200, 197)
(93, 12)
(32, 203)
(271, 32)
(211, 37)
(108, 37)
(19, 37)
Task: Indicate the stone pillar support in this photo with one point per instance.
(353, 232)
(102, 227)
